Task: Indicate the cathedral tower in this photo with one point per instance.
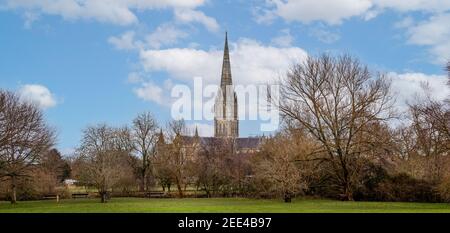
(226, 124)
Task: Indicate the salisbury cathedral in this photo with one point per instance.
(226, 123)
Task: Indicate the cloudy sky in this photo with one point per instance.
(103, 61)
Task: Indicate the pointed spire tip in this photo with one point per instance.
(226, 67)
(196, 131)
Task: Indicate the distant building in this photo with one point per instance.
(241, 146)
(226, 123)
(69, 182)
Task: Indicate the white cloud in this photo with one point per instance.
(149, 91)
(112, 11)
(124, 42)
(336, 11)
(405, 23)
(115, 12)
(330, 11)
(68, 151)
(189, 16)
(182, 63)
(408, 86)
(414, 5)
(251, 62)
(284, 40)
(135, 77)
(29, 18)
(433, 33)
(168, 84)
(324, 35)
(165, 34)
(38, 94)
(255, 63)
(263, 16)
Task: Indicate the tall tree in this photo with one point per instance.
(448, 72)
(283, 165)
(144, 139)
(53, 163)
(335, 100)
(430, 125)
(24, 137)
(52, 169)
(102, 160)
(178, 155)
(210, 166)
(160, 162)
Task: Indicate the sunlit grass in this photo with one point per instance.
(218, 205)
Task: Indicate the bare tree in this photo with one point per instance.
(144, 138)
(431, 131)
(210, 166)
(447, 68)
(161, 164)
(335, 100)
(178, 154)
(24, 137)
(51, 171)
(102, 159)
(284, 164)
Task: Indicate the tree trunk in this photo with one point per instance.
(287, 198)
(13, 190)
(180, 189)
(348, 194)
(144, 181)
(143, 184)
(104, 197)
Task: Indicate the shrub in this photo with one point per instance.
(444, 189)
(378, 185)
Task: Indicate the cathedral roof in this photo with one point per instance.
(249, 143)
(240, 143)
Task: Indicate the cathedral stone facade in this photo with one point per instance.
(226, 123)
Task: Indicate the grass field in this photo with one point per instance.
(219, 205)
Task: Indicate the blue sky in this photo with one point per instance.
(89, 61)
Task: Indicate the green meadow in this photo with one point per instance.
(218, 205)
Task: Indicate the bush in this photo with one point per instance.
(378, 185)
(444, 189)
(402, 187)
(25, 190)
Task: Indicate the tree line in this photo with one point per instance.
(341, 137)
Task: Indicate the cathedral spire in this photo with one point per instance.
(161, 137)
(226, 123)
(196, 132)
(226, 67)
